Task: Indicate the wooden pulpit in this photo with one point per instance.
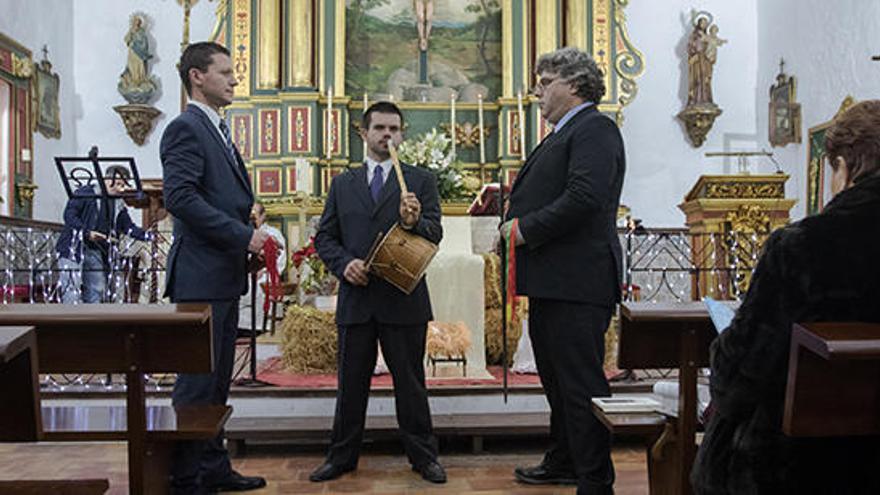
(729, 217)
(833, 384)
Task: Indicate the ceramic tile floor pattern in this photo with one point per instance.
(287, 469)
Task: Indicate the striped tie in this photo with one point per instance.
(227, 138)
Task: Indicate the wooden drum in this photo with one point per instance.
(401, 258)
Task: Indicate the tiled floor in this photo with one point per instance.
(382, 470)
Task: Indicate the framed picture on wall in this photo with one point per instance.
(818, 180)
(47, 111)
(785, 113)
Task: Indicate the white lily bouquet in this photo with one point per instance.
(433, 151)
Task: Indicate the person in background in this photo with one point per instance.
(92, 224)
(822, 268)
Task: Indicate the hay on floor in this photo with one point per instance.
(308, 340)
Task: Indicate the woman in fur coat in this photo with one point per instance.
(823, 268)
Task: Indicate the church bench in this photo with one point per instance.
(20, 417)
(19, 385)
(134, 340)
(669, 335)
(109, 423)
(845, 358)
(55, 487)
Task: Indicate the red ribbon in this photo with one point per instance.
(273, 285)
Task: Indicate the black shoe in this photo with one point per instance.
(236, 482)
(544, 475)
(432, 472)
(327, 472)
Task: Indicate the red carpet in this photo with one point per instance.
(272, 371)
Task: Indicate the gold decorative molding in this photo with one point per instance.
(25, 192)
(22, 67)
(546, 36)
(301, 44)
(240, 48)
(138, 120)
(507, 48)
(467, 134)
(740, 190)
(269, 44)
(698, 121)
(749, 219)
(576, 24)
(628, 64)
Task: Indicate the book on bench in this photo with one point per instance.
(626, 404)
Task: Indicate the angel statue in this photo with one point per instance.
(135, 83)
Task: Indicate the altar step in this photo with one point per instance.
(317, 429)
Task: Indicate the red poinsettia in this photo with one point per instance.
(305, 253)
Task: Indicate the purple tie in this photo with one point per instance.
(376, 184)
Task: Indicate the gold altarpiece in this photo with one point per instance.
(729, 217)
(287, 54)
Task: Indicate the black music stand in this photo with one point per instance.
(78, 172)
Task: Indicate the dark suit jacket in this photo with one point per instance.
(348, 229)
(81, 216)
(209, 194)
(566, 198)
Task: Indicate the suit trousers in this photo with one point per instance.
(404, 350)
(203, 462)
(568, 339)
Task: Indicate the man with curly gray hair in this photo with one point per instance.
(562, 219)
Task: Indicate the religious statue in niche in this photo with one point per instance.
(785, 113)
(702, 52)
(136, 84)
(423, 50)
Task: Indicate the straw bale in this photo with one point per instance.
(308, 340)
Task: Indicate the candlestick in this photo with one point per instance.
(364, 139)
(522, 126)
(328, 139)
(480, 126)
(452, 123)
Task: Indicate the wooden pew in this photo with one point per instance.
(845, 358)
(20, 419)
(134, 340)
(19, 385)
(669, 335)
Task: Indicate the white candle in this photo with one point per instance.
(480, 125)
(522, 126)
(452, 123)
(329, 123)
(366, 102)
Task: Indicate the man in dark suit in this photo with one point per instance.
(90, 221)
(361, 203)
(208, 192)
(563, 209)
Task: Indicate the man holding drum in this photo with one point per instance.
(361, 204)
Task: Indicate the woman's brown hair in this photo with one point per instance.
(855, 136)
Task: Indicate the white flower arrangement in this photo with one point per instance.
(433, 151)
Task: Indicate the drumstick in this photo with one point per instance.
(396, 162)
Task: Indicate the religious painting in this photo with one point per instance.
(423, 50)
(818, 178)
(48, 112)
(785, 113)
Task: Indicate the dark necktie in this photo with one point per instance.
(376, 184)
(227, 138)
